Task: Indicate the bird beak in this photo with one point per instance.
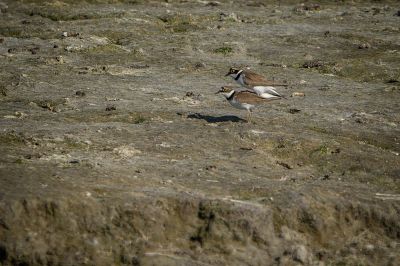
(227, 74)
(218, 92)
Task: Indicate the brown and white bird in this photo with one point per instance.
(255, 82)
(243, 99)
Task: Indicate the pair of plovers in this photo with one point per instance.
(255, 90)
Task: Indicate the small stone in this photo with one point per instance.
(325, 177)
(336, 151)
(126, 151)
(360, 120)
(80, 93)
(210, 167)
(55, 46)
(139, 51)
(298, 94)
(60, 59)
(369, 247)
(231, 16)
(200, 65)
(20, 114)
(294, 110)
(364, 46)
(313, 64)
(189, 94)
(75, 161)
(111, 108)
(33, 104)
(300, 254)
(34, 50)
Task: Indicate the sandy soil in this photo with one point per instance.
(116, 150)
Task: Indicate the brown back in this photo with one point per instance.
(254, 79)
(250, 97)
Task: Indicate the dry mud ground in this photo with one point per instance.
(116, 151)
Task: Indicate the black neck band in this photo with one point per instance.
(231, 97)
(239, 74)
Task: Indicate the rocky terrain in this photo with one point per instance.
(115, 149)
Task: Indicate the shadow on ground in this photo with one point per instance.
(216, 119)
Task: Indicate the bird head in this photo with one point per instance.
(226, 91)
(233, 72)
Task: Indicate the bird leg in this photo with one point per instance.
(249, 116)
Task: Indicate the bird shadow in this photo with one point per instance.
(216, 119)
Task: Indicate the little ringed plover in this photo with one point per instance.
(243, 99)
(255, 82)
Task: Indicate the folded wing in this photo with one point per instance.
(254, 79)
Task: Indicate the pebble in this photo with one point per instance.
(200, 65)
(111, 108)
(20, 114)
(364, 46)
(300, 254)
(369, 247)
(60, 59)
(294, 111)
(126, 151)
(313, 64)
(298, 94)
(231, 16)
(80, 93)
(139, 51)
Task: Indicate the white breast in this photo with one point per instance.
(240, 80)
(239, 105)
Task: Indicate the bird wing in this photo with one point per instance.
(254, 79)
(266, 89)
(249, 97)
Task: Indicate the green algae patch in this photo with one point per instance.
(224, 50)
